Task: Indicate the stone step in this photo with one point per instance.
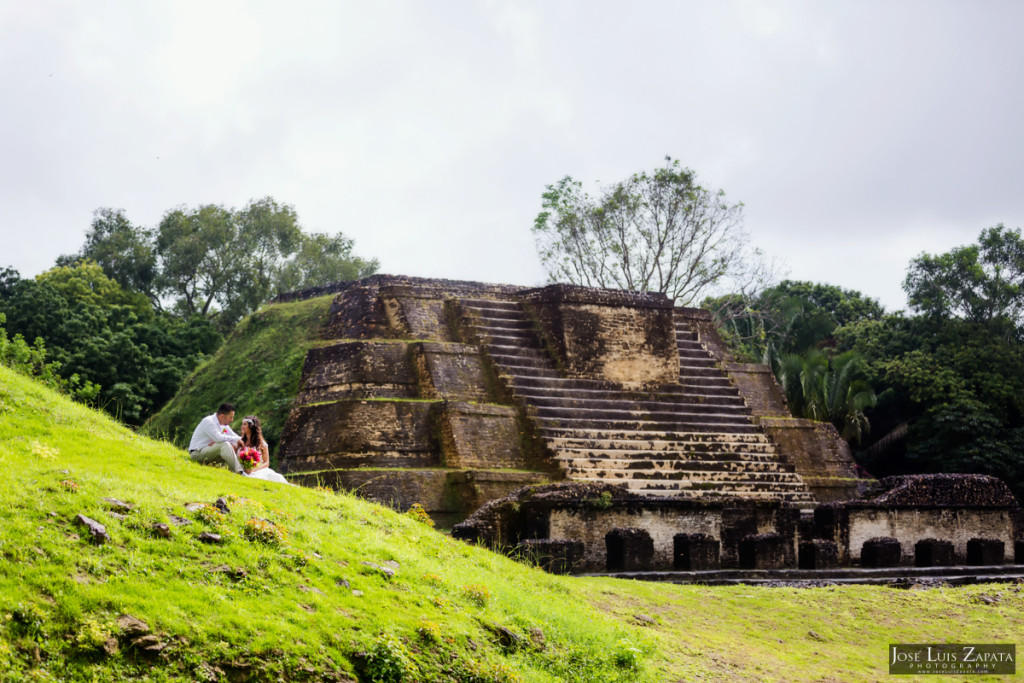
(701, 358)
(625, 411)
(667, 465)
(663, 450)
(492, 304)
(664, 392)
(523, 360)
(673, 450)
(611, 401)
(575, 435)
(529, 342)
(706, 423)
(706, 382)
(686, 478)
(511, 324)
(572, 384)
(711, 371)
(528, 372)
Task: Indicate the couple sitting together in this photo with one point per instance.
(213, 441)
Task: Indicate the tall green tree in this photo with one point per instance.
(108, 338)
(123, 250)
(791, 317)
(981, 282)
(652, 232)
(322, 259)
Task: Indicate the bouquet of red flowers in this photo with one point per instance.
(250, 458)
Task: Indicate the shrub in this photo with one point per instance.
(69, 485)
(264, 531)
(209, 514)
(27, 620)
(429, 631)
(419, 514)
(477, 593)
(626, 655)
(93, 634)
(388, 661)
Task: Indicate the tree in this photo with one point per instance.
(981, 282)
(125, 251)
(323, 259)
(791, 317)
(653, 232)
(130, 358)
(200, 257)
(822, 387)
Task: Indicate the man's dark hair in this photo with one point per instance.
(225, 408)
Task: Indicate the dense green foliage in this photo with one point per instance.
(257, 369)
(128, 358)
(937, 390)
(790, 317)
(653, 232)
(287, 595)
(129, 315)
(216, 262)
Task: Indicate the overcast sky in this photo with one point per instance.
(857, 134)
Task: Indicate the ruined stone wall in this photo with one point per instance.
(394, 406)
(622, 337)
(949, 507)
(822, 458)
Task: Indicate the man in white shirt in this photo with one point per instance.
(214, 439)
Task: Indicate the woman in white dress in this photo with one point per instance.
(252, 437)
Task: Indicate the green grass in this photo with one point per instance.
(258, 370)
(278, 599)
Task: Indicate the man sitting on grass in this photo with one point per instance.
(214, 439)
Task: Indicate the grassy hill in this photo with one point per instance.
(287, 594)
(257, 369)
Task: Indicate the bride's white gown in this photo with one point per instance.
(267, 474)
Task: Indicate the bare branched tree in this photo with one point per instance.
(657, 232)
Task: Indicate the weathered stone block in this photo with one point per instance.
(818, 554)
(452, 372)
(985, 551)
(557, 557)
(624, 337)
(357, 369)
(386, 433)
(629, 550)
(932, 552)
(480, 435)
(882, 551)
(695, 552)
(762, 551)
(358, 313)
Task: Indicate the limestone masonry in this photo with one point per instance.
(450, 394)
(660, 452)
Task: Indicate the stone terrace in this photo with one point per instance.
(694, 437)
(451, 393)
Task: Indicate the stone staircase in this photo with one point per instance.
(695, 438)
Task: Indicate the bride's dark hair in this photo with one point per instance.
(255, 431)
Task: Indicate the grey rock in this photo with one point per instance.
(162, 530)
(118, 505)
(222, 505)
(178, 521)
(97, 531)
(207, 537)
(132, 626)
(388, 572)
